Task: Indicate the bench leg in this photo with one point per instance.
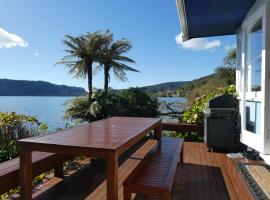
(58, 171)
(127, 194)
(158, 133)
(182, 156)
(166, 196)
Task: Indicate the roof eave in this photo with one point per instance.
(183, 20)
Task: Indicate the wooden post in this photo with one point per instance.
(112, 176)
(166, 195)
(59, 171)
(25, 173)
(158, 133)
(127, 194)
(182, 154)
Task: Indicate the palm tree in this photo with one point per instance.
(82, 52)
(112, 58)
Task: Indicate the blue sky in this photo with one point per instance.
(31, 33)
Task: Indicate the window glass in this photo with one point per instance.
(253, 119)
(254, 55)
(239, 63)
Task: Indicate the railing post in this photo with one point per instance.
(25, 173)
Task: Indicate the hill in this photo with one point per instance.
(164, 89)
(176, 88)
(222, 77)
(37, 88)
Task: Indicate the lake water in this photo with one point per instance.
(50, 110)
(176, 104)
(173, 99)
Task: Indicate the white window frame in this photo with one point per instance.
(247, 25)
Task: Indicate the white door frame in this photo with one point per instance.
(255, 141)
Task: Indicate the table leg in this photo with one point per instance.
(158, 133)
(112, 176)
(25, 173)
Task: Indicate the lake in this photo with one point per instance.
(176, 104)
(50, 110)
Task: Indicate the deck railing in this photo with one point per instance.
(191, 132)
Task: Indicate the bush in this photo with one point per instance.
(194, 113)
(189, 137)
(132, 102)
(14, 127)
(136, 103)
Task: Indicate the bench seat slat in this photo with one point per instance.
(41, 162)
(155, 174)
(14, 164)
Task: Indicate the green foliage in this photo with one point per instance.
(194, 137)
(225, 75)
(82, 51)
(131, 102)
(194, 113)
(136, 103)
(230, 58)
(14, 127)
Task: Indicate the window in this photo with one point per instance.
(254, 57)
(253, 119)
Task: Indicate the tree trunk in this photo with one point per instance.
(90, 84)
(106, 78)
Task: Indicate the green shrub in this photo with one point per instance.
(194, 113)
(189, 137)
(136, 103)
(130, 102)
(14, 127)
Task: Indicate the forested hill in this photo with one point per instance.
(37, 88)
(164, 87)
(177, 88)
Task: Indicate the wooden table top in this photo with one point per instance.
(108, 134)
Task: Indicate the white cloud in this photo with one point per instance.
(228, 47)
(36, 54)
(9, 40)
(197, 44)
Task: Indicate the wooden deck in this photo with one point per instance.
(209, 175)
(204, 175)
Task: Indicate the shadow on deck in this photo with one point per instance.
(204, 175)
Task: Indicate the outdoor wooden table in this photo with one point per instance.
(107, 138)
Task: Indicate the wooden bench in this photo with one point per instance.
(42, 162)
(155, 174)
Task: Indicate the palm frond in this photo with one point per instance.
(120, 74)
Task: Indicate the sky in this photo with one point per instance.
(31, 32)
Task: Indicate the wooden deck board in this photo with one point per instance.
(216, 176)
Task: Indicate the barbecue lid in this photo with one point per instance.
(223, 101)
